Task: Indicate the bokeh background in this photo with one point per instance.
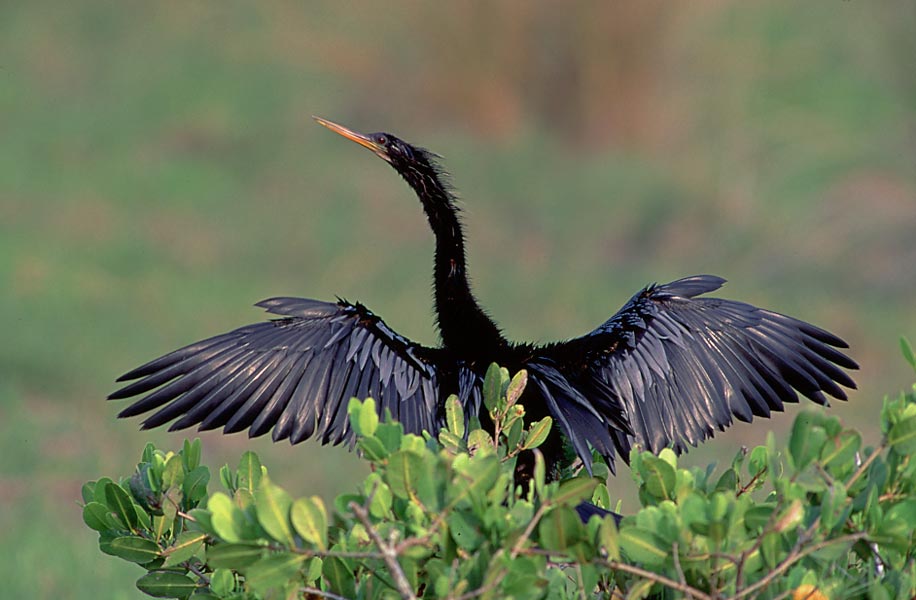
(159, 174)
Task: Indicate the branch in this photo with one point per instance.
(674, 585)
(794, 556)
(389, 554)
(321, 593)
(633, 570)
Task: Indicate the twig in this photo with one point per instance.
(633, 570)
(753, 480)
(794, 556)
(186, 516)
(322, 593)
(200, 574)
(528, 530)
(674, 585)
(482, 589)
(579, 577)
(389, 554)
(677, 564)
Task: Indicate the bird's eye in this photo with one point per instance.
(380, 139)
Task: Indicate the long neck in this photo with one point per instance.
(464, 327)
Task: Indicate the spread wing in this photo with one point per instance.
(294, 375)
(682, 366)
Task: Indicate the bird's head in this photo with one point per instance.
(389, 148)
(416, 165)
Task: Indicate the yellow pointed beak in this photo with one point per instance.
(361, 139)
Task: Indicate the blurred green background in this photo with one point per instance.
(159, 174)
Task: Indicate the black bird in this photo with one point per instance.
(667, 370)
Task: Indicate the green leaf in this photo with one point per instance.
(465, 529)
(222, 582)
(87, 492)
(173, 474)
(226, 477)
(188, 544)
(832, 507)
(575, 490)
(166, 584)
(540, 473)
(643, 546)
(695, 513)
(233, 556)
(310, 519)
(902, 436)
(313, 570)
(728, 482)
(806, 440)
(609, 538)
(97, 516)
(659, 476)
(454, 416)
(273, 571)
(516, 387)
(537, 433)
(380, 494)
(121, 505)
(195, 484)
(226, 517)
(479, 440)
(560, 528)
(390, 435)
(141, 486)
(907, 351)
(99, 489)
(841, 449)
(477, 476)
(406, 472)
(339, 577)
(249, 472)
(363, 416)
(756, 517)
(273, 505)
(190, 454)
(372, 448)
(514, 436)
(492, 387)
(449, 440)
(149, 451)
(134, 549)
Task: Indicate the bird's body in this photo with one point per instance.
(668, 369)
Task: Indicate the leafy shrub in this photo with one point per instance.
(441, 518)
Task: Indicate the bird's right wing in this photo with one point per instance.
(294, 375)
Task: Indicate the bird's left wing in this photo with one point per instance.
(681, 366)
(295, 375)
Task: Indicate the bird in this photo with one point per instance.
(671, 368)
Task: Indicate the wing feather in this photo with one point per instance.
(293, 375)
(682, 366)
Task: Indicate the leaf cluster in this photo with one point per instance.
(824, 517)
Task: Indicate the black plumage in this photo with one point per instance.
(669, 369)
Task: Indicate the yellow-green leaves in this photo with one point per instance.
(167, 584)
(272, 505)
(363, 416)
(310, 519)
(643, 546)
(227, 519)
(902, 436)
(444, 515)
(537, 433)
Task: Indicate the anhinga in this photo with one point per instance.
(667, 370)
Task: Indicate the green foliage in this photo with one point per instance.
(442, 518)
